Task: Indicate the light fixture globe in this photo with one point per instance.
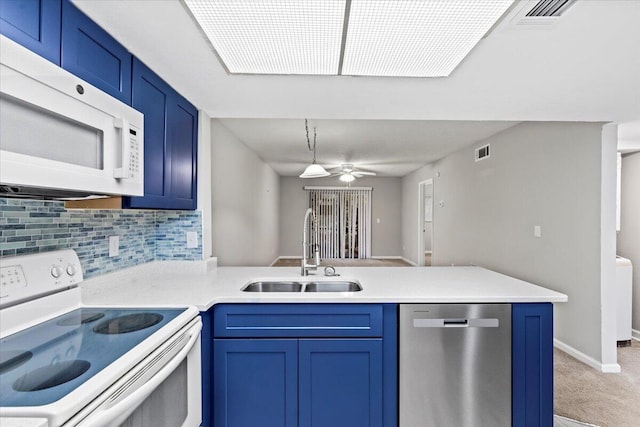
(347, 177)
(314, 170)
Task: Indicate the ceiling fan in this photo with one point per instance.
(348, 173)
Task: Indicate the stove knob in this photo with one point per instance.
(56, 271)
(71, 270)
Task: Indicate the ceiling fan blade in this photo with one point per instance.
(362, 173)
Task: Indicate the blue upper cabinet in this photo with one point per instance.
(35, 24)
(58, 31)
(92, 54)
(183, 140)
(170, 143)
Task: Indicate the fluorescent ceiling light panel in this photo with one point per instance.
(415, 38)
(273, 36)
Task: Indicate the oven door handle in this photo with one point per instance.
(119, 412)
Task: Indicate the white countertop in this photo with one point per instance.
(23, 422)
(182, 283)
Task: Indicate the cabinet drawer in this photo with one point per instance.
(297, 320)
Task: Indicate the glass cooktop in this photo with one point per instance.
(42, 364)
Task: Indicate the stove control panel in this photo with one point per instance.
(29, 276)
(12, 277)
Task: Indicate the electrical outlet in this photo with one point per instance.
(114, 246)
(192, 239)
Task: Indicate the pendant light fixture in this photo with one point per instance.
(314, 170)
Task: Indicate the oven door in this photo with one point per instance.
(163, 390)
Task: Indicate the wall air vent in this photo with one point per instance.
(547, 8)
(482, 152)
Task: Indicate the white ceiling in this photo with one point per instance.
(583, 68)
(387, 147)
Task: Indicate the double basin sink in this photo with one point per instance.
(315, 286)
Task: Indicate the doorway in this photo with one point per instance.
(425, 222)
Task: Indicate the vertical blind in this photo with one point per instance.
(343, 219)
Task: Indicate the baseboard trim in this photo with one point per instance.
(409, 261)
(395, 257)
(635, 334)
(282, 257)
(587, 360)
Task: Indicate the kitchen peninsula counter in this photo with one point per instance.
(182, 283)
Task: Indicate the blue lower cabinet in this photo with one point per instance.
(35, 24)
(532, 365)
(321, 377)
(340, 383)
(255, 383)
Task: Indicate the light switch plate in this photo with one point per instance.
(537, 231)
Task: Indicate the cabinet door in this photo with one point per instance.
(35, 24)
(151, 96)
(255, 383)
(532, 364)
(170, 143)
(340, 383)
(92, 54)
(183, 140)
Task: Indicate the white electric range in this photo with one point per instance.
(92, 366)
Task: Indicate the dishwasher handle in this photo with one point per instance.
(456, 323)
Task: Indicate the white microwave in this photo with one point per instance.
(61, 137)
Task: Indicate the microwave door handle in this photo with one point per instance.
(119, 412)
(123, 171)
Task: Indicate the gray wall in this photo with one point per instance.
(386, 204)
(546, 174)
(629, 235)
(244, 202)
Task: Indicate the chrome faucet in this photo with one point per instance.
(306, 246)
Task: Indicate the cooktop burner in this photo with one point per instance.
(42, 364)
(80, 318)
(51, 376)
(129, 323)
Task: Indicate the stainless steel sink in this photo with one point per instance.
(273, 287)
(289, 286)
(333, 286)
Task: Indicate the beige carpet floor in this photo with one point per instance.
(370, 262)
(606, 400)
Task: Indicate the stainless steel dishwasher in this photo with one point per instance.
(455, 365)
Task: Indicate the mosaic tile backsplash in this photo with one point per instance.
(29, 226)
